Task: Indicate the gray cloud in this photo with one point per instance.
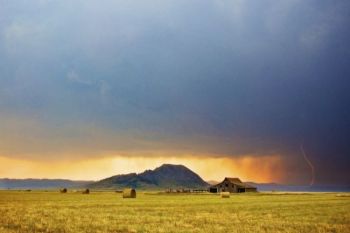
(222, 77)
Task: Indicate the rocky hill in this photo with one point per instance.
(165, 176)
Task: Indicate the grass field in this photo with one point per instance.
(108, 212)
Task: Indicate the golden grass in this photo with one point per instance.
(109, 212)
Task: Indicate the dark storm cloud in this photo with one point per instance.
(221, 77)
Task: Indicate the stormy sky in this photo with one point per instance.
(206, 79)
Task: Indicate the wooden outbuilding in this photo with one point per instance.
(232, 185)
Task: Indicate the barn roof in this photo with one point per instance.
(235, 181)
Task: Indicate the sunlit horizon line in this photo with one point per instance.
(207, 168)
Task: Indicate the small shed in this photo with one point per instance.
(129, 193)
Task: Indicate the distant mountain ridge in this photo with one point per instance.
(165, 176)
(300, 188)
(6, 183)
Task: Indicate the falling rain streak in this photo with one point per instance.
(312, 181)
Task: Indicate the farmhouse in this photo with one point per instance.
(232, 185)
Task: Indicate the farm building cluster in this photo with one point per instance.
(232, 185)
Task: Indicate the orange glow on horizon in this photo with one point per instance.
(267, 168)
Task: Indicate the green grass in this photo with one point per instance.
(108, 212)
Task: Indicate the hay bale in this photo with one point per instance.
(129, 193)
(86, 191)
(225, 194)
(64, 190)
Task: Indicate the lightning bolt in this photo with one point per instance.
(310, 165)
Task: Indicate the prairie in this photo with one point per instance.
(40, 211)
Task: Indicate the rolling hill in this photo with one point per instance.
(165, 176)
